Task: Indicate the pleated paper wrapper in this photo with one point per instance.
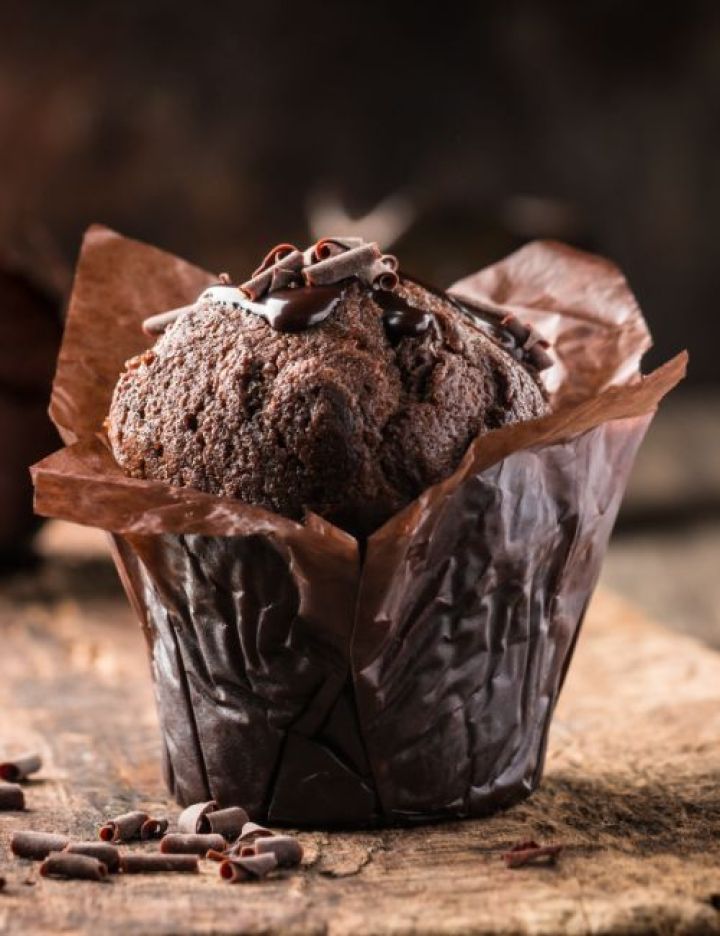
(320, 684)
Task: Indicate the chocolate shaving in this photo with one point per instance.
(252, 831)
(36, 845)
(139, 863)
(391, 261)
(287, 850)
(524, 853)
(156, 324)
(279, 252)
(20, 767)
(79, 867)
(123, 828)
(11, 797)
(212, 854)
(379, 276)
(190, 819)
(341, 266)
(225, 279)
(331, 246)
(103, 851)
(153, 829)
(178, 844)
(254, 867)
(259, 284)
(227, 822)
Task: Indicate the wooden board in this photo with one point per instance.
(631, 791)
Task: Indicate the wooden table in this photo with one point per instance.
(631, 791)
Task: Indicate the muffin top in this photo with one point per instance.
(329, 382)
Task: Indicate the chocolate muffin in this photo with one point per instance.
(328, 383)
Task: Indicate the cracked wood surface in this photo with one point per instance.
(631, 791)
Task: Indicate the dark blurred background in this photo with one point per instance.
(454, 131)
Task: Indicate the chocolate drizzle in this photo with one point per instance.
(294, 310)
(293, 290)
(401, 319)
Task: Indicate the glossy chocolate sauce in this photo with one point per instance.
(402, 320)
(294, 310)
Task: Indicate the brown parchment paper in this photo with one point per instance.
(314, 688)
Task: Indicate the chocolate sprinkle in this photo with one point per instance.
(530, 852)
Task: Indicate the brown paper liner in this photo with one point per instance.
(315, 688)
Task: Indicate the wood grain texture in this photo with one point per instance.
(631, 790)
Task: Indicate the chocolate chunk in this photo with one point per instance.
(190, 844)
(139, 863)
(11, 797)
(66, 865)
(103, 851)
(20, 767)
(36, 845)
(123, 828)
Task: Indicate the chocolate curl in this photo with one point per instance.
(224, 279)
(11, 796)
(79, 867)
(251, 831)
(391, 261)
(156, 324)
(103, 851)
(252, 868)
(259, 284)
(123, 828)
(227, 822)
(212, 854)
(20, 767)
(178, 844)
(36, 845)
(138, 863)
(287, 850)
(153, 829)
(350, 263)
(379, 276)
(331, 246)
(280, 252)
(531, 853)
(191, 818)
